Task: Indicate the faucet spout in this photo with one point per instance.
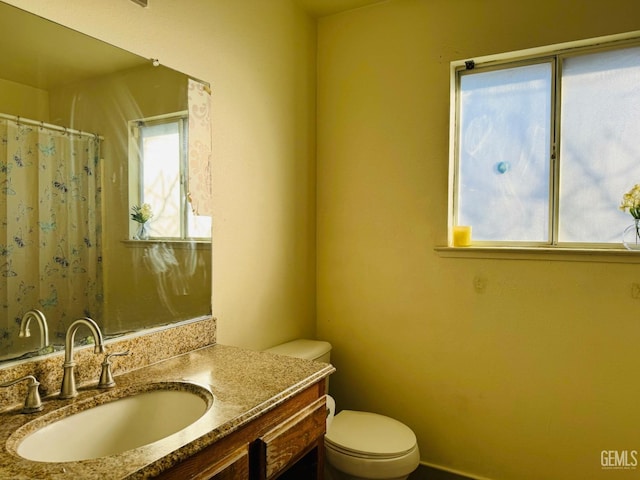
(42, 323)
(68, 389)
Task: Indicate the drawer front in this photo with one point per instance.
(206, 466)
(291, 439)
(234, 467)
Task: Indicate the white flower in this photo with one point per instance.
(631, 201)
(141, 213)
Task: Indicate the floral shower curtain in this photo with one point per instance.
(50, 228)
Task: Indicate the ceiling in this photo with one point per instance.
(45, 55)
(321, 8)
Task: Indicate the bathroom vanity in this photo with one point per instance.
(286, 442)
(266, 421)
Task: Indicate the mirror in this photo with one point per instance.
(70, 175)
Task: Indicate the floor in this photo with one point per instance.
(427, 473)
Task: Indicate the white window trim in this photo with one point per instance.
(136, 187)
(566, 252)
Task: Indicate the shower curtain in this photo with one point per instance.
(50, 228)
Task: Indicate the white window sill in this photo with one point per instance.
(599, 255)
(174, 243)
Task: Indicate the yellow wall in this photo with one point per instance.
(24, 101)
(529, 378)
(259, 58)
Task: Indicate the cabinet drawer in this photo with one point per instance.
(291, 439)
(206, 466)
(234, 467)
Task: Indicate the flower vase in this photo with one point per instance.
(631, 236)
(143, 232)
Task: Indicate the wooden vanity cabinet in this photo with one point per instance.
(291, 440)
(285, 443)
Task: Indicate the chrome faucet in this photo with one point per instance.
(42, 323)
(68, 389)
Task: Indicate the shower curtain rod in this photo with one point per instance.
(50, 126)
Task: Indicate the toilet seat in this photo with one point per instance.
(369, 436)
(368, 445)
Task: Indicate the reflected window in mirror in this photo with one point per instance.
(161, 180)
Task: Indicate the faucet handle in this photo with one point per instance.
(106, 377)
(32, 403)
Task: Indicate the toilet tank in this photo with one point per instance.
(317, 350)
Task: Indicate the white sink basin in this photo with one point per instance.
(117, 426)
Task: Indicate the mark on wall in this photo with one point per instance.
(479, 284)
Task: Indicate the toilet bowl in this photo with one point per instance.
(359, 445)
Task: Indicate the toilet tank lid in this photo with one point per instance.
(302, 348)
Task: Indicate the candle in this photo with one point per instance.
(461, 236)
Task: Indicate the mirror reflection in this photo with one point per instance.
(104, 177)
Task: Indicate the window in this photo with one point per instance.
(545, 146)
(161, 179)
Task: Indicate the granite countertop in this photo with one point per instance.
(244, 383)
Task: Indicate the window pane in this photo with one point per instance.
(504, 138)
(599, 148)
(161, 177)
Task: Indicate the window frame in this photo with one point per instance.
(136, 182)
(555, 55)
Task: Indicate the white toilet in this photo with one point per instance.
(359, 445)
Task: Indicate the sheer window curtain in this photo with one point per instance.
(200, 148)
